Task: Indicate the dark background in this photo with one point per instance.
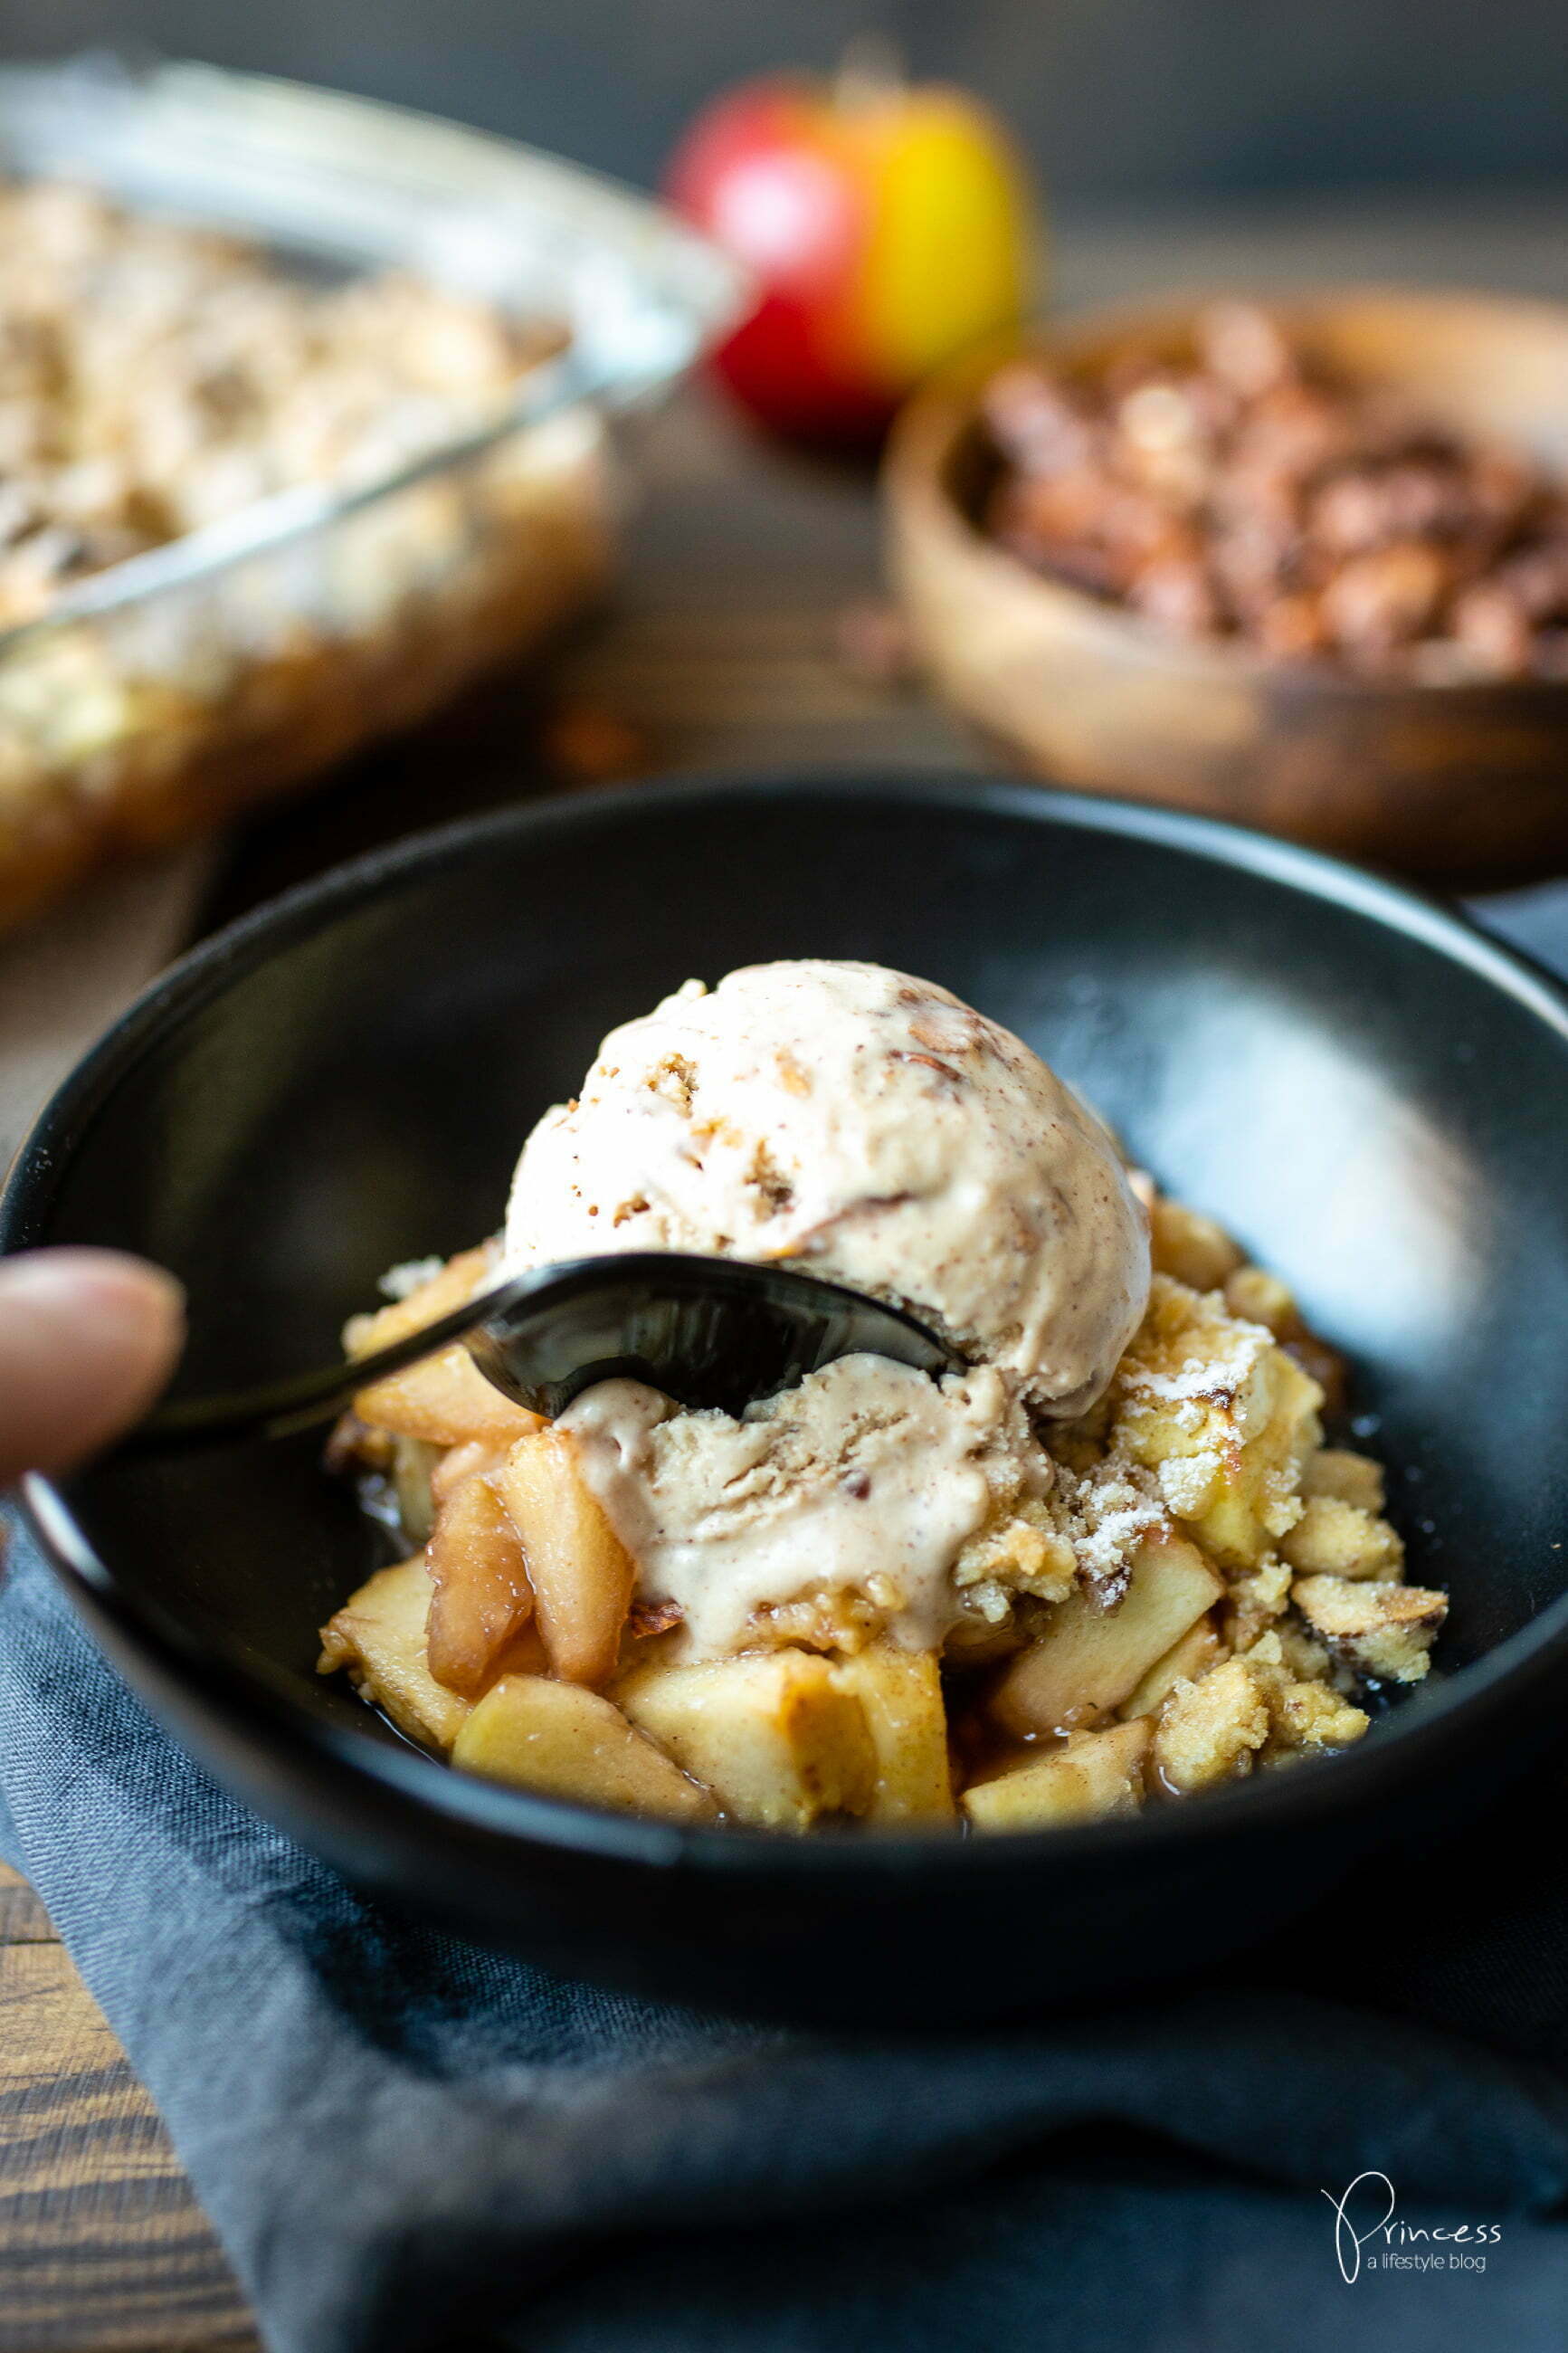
(1114, 97)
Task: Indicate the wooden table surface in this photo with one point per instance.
(722, 647)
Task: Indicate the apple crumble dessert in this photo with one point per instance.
(1113, 1562)
(157, 380)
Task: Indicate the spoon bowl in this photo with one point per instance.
(707, 1331)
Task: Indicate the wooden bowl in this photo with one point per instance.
(1464, 781)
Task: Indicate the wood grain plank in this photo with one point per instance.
(724, 647)
(73, 969)
(102, 2246)
(23, 1920)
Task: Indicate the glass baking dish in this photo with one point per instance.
(151, 699)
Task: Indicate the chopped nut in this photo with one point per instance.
(1250, 491)
(1386, 598)
(646, 1619)
(1242, 344)
(1381, 1629)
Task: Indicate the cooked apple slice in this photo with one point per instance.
(1095, 1773)
(443, 1400)
(379, 1636)
(581, 1573)
(459, 1463)
(524, 1655)
(414, 1466)
(1184, 1661)
(566, 1742)
(446, 1400)
(1089, 1659)
(482, 1596)
(776, 1737)
(448, 1288)
(900, 1692)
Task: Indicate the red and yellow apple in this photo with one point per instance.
(884, 226)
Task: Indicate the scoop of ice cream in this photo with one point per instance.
(876, 1129)
(852, 1494)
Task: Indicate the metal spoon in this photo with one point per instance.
(706, 1331)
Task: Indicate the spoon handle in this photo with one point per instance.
(277, 1408)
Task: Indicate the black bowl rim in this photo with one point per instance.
(1432, 1721)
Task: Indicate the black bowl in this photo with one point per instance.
(1372, 1095)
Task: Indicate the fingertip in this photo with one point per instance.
(87, 1338)
(86, 1270)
